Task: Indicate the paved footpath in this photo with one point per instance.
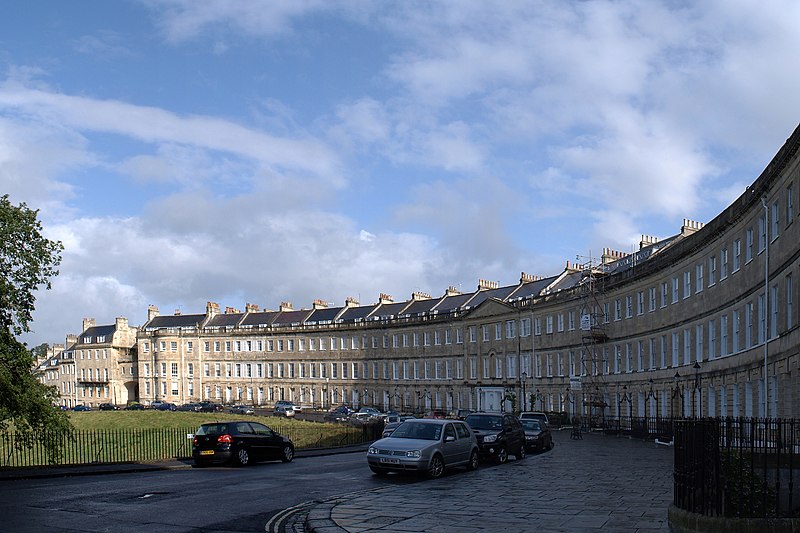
(600, 483)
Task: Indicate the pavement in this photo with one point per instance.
(597, 484)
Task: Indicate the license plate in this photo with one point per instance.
(206, 452)
(390, 461)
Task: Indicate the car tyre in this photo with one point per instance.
(242, 457)
(472, 464)
(287, 454)
(436, 467)
(521, 454)
(502, 456)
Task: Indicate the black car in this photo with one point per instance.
(108, 407)
(191, 407)
(166, 406)
(240, 442)
(537, 435)
(499, 434)
(209, 407)
(135, 406)
(338, 414)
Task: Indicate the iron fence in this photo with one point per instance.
(737, 467)
(158, 444)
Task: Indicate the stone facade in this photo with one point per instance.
(681, 326)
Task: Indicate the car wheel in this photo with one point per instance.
(436, 467)
(242, 457)
(502, 455)
(473, 461)
(521, 455)
(288, 454)
(377, 471)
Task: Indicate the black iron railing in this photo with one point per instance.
(737, 467)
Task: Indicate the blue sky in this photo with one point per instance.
(264, 152)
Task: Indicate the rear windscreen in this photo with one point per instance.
(212, 429)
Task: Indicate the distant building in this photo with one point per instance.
(97, 366)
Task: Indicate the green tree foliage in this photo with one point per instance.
(39, 352)
(27, 262)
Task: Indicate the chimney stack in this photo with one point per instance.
(319, 304)
(152, 312)
(212, 309)
(286, 306)
(251, 308)
(88, 323)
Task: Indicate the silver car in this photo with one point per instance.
(426, 446)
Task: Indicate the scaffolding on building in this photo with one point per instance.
(594, 336)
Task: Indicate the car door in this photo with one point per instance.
(270, 442)
(464, 441)
(450, 447)
(512, 431)
(246, 437)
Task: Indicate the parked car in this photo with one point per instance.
(81, 408)
(134, 406)
(392, 416)
(498, 434)
(537, 435)
(239, 442)
(155, 404)
(535, 415)
(337, 414)
(461, 414)
(209, 407)
(108, 407)
(284, 410)
(242, 410)
(166, 406)
(436, 414)
(425, 446)
(370, 411)
(286, 403)
(389, 428)
(192, 407)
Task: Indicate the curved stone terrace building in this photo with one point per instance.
(704, 322)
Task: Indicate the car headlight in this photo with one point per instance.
(416, 454)
(490, 438)
(372, 450)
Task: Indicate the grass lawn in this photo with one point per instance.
(109, 420)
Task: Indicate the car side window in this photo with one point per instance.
(449, 431)
(463, 432)
(244, 427)
(261, 429)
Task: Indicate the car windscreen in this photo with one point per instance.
(531, 425)
(212, 429)
(485, 422)
(418, 430)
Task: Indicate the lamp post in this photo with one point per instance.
(325, 393)
(766, 301)
(523, 378)
(650, 394)
(695, 390)
(365, 397)
(677, 392)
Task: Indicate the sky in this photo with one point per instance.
(262, 152)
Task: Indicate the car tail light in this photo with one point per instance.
(194, 441)
(224, 439)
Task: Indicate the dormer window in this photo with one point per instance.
(101, 338)
(87, 340)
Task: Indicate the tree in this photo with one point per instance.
(27, 261)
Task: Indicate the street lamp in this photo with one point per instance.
(696, 389)
(524, 377)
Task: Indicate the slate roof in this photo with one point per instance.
(175, 321)
(324, 315)
(450, 303)
(287, 318)
(263, 318)
(97, 331)
(531, 288)
(352, 314)
(390, 310)
(501, 293)
(224, 320)
(421, 306)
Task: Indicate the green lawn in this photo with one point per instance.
(143, 436)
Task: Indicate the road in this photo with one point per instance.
(218, 499)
